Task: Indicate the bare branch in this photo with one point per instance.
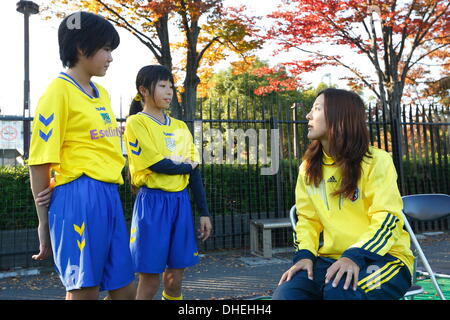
(353, 70)
(150, 44)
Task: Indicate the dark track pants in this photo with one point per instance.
(384, 279)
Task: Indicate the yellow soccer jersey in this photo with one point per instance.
(370, 220)
(76, 133)
(149, 141)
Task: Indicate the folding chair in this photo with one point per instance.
(424, 207)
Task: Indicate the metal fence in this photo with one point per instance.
(238, 141)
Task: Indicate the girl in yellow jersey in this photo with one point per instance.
(163, 162)
(75, 134)
(347, 192)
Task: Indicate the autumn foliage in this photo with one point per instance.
(400, 40)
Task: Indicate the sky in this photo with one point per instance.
(129, 57)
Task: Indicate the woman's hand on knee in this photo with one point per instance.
(339, 268)
(303, 264)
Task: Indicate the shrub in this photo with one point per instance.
(230, 189)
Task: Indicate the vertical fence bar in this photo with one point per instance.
(231, 200)
(406, 180)
(413, 162)
(248, 209)
(275, 179)
(239, 194)
(280, 174)
(445, 152)
(427, 160)
(212, 180)
(438, 147)
(421, 182)
(265, 180)
(377, 121)
(256, 174)
(432, 150)
(370, 124)
(385, 130)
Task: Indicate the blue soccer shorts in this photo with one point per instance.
(162, 231)
(89, 236)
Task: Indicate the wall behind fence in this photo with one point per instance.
(236, 189)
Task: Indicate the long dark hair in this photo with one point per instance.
(148, 77)
(348, 139)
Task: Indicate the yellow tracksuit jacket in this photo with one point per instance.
(367, 225)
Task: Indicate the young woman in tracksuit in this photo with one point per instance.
(347, 191)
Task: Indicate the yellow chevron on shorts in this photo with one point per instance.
(81, 244)
(375, 274)
(78, 229)
(133, 231)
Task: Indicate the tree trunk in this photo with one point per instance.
(189, 96)
(394, 101)
(191, 80)
(165, 59)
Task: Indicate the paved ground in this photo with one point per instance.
(230, 275)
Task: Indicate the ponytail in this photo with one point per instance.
(136, 105)
(148, 77)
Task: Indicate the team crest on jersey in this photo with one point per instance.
(106, 118)
(170, 144)
(355, 195)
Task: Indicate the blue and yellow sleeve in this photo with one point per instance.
(141, 149)
(49, 125)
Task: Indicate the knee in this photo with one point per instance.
(173, 279)
(339, 293)
(297, 289)
(281, 293)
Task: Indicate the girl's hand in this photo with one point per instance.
(43, 198)
(343, 265)
(303, 264)
(205, 228)
(45, 247)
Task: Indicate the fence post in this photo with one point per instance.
(397, 146)
(278, 184)
(294, 129)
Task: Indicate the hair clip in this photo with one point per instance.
(137, 97)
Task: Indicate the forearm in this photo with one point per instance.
(167, 166)
(306, 236)
(383, 232)
(198, 191)
(40, 180)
